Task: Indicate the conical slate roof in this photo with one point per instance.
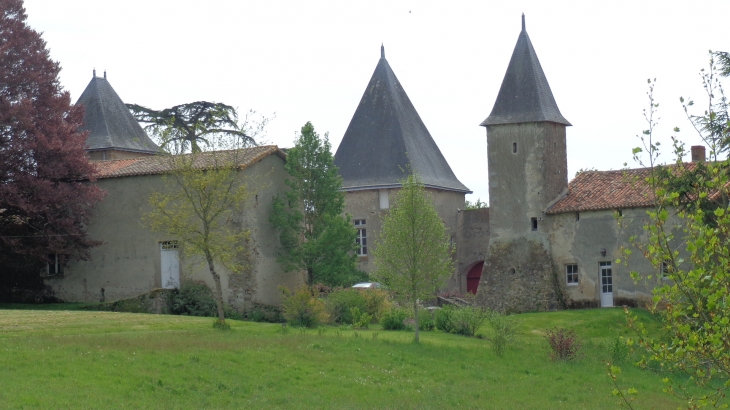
(525, 95)
(109, 122)
(386, 140)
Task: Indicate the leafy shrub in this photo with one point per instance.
(194, 298)
(302, 309)
(265, 313)
(340, 302)
(444, 318)
(359, 319)
(504, 330)
(376, 302)
(394, 318)
(564, 344)
(467, 320)
(426, 320)
(618, 349)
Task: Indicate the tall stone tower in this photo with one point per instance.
(527, 164)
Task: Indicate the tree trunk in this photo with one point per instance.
(218, 290)
(415, 315)
(310, 277)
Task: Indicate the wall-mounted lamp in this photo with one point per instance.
(603, 252)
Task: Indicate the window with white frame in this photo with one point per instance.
(571, 274)
(55, 265)
(361, 239)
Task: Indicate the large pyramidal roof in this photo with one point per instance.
(525, 95)
(386, 140)
(109, 122)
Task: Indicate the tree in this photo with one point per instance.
(315, 237)
(688, 241)
(45, 198)
(413, 256)
(200, 208)
(188, 126)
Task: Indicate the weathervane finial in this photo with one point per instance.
(523, 21)
(382, 51)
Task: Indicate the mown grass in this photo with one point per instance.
(76, 359)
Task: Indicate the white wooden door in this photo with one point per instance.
(606, 284)
(170, 259)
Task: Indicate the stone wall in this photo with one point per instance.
(518, 276)
(472, 242)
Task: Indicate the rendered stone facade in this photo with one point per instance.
(128, 263)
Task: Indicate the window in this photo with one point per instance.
(665, 269)
(571, 274)
(384, 201)
(577, 216)
(534, 223)
(514, 147)
(361, 239)
(55, 266)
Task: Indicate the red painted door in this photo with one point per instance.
(472, 278)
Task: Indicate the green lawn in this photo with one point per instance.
(78, 359)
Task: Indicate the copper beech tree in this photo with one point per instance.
(45, 197)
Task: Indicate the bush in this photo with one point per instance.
(394, 318)
(194, 298)
(302, 309)
(426, 320)
(266, 313)
(504, 329)
(444, 318)
(563, 343)
(359, 319)
(340, 302)
(618, 348)
(376, 302)
(467, 320)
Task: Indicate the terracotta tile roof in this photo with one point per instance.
(162, 164)
(599, 190)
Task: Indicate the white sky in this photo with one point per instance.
(311, 61)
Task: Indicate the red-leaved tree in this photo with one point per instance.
(45, 195)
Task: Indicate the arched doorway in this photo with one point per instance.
(473, 277)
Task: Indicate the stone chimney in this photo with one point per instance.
(698, 153)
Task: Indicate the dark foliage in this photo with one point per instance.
(188, 126)
(564, 344)
(45, 199)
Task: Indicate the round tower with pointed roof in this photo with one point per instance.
(527, 163)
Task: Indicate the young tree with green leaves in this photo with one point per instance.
(413, 256)
(315, 237)
(200, 207)
(688, 241)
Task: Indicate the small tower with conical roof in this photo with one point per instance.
(113, 132)
(527, 162)
(526, 150)
(385, 141)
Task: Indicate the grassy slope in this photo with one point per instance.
(63, 359)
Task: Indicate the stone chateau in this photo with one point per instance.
(543, 242)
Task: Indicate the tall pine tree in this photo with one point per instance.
(45, 197)
(315, 237)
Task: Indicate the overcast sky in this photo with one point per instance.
(311, 61)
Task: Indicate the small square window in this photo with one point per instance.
(665, 269)
(55, 265)
(571, 274)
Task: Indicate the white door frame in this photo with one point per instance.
(169, 265)
(605, 276)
